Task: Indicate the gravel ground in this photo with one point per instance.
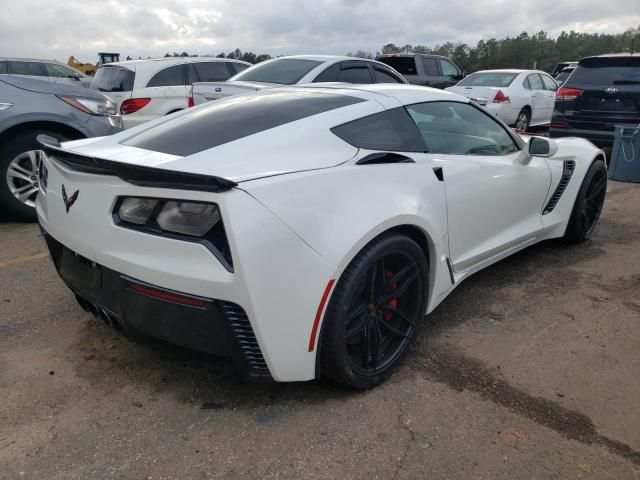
(529, 370)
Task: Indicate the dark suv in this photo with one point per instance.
(601, 92)
(422, 69)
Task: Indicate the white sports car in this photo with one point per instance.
(305, 231)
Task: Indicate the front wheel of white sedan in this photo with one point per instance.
(375, 312)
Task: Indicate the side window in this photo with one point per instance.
(549, 83)
(169, 76)
(58, 71)
(238, 67)
(385, 76)
(391, 130)
(430, 67)
(27, 68)
(209, 72)
(534, 82)
(452, 128)
(448, 69)
(3, 67)
(348, 72)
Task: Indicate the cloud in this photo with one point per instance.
(35, 28)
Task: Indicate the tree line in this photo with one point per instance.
(527, 51)
(523, 51)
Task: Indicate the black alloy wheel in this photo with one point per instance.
(375, 311)
(588, 204)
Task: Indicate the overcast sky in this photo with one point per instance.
(57, 29)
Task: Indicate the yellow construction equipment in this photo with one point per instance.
(89, 68)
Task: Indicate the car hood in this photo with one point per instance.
(53, 88)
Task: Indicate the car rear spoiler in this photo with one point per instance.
(134, 174)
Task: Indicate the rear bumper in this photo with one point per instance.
(138, 308)
(599, 137)
(270, 261)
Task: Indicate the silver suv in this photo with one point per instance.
(49, 70)
(30, 107)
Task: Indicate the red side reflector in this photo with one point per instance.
(190, 102)
(568, 93)
(133, 105)
(168, 296)
(316, 323)
(558, 125)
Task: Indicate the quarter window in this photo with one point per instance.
(453, 128)
(391, 130)
(207, 72)
(170, 76)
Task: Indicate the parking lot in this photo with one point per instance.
(528, 370)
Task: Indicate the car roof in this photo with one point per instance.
(406, 94)
(321, 58)
(173, 61)
(387, 55)
(623, 54)
(40, 60)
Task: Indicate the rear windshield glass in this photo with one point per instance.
(403, 65)
(224, 121)
(113, 79)
(488, 79)
(608, 71)
(286, 71)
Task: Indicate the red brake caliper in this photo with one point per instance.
(394, 301)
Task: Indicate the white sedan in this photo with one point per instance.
(521, 98)
(305, 231)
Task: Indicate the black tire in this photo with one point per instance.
(385, 324)
(524, 120)
(588, 204)
(18, 144)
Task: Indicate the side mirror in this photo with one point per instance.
(542, 147)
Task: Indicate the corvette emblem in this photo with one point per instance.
(69, 201)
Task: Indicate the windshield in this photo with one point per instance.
(284, 71)
(608, 71)
(113, 79)
(488, 79)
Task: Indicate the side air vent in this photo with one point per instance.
(567, 173)
(246, 339)
(384, 157)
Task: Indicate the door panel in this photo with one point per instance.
(495, 191)
(538, 98)
(493, 202)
